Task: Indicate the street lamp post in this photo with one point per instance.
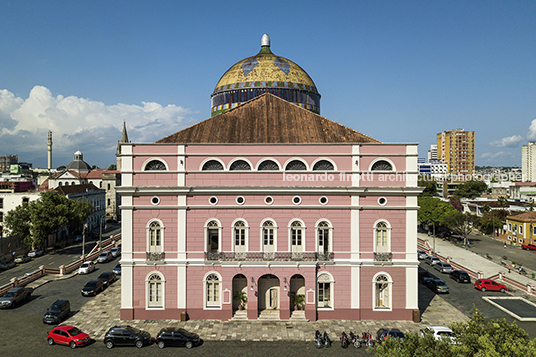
(100, 235)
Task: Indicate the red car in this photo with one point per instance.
(488, 284)
(528, 247)
(67, 335)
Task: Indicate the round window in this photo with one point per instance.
(213, 200)
(382, 201)
(240, 200)
(155, 200)
(296, 200)
(268, 200)
(323, 200)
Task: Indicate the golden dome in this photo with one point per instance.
(265, 72)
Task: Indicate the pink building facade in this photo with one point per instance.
(334, 223)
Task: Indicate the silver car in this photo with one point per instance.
(105, 257)
(431, 260)
(444, 267)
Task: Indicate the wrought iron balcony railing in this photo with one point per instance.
(383, 257)
(269, 256)
(155, 257)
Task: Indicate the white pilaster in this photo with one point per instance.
(355, 280)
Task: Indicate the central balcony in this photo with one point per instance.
(269, 256)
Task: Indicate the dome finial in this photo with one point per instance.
(265, 41)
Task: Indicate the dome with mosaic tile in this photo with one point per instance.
(265, 73)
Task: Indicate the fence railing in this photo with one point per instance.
(269, 256)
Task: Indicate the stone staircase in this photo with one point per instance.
(298, 316)
(269, 315)
(240, 315)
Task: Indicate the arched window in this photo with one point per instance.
(109, 187)
(59, 183)
(382, 292)
(268, 165)
(213, 239)
(155, 291)
(381, 165)
(212, 165)
(323, 231)
(296, 165)
(240, 165)
(155, 165)
(268, 236)
(212, 285)
(381, 232)
(297, 237)
(324, 289)
(240, 232)
(323, 165)
(155, 237)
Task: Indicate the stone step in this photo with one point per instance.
(240, 315)
(298, 315)
(269, 315)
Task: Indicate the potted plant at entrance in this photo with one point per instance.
(299, 301)
(242, 299)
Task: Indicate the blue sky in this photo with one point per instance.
(399, 71)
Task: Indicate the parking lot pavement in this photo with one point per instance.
(102, 312)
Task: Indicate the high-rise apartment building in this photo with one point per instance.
(456, 148)
(528, 160)
(6, 161)
(432, 153)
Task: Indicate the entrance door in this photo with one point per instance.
(273, 302)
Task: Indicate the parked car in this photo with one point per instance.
(105, 257)
(176, 337)
(68, 335)
(444, 267)
(440, 332)
(117, 269)
(384, 333)
(460, 276)
(438, 286)
(431, 260)
(116, 251)
(421, 254)
(7, 265)
(488, 284)
(15, 296)
(22, 259)
(35, 253)
(107, 278)
(424, 276)
(57, 312)
(126, 336)
(93, 287)
(528, 246)
(86, 267)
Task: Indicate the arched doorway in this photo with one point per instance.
(297, 296)
(240, 285)
(268, 296)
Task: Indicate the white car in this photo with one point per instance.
(431, 260)
(35, 253)
(421, 254)
(116, 251)
(105, 257)
(439, 332)
(86, 267)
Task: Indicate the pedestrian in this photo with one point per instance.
(509, 267)
(520, 269)
(13, 255)
(504, 245)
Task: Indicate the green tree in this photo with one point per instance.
(33, 222)
(476, 337)
(460, 223)
(430, 187)
(433, 210)
(471, 189)
(112, 167)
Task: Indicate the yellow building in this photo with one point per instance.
(456, 148)
(521, 228)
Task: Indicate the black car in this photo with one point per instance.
(460, 276)
(57, 312)
(92, 288)
(424, 276)
(176, 337)
(384, 333)
(126, 336)
(107, 278)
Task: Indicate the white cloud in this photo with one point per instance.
(510, 141)
(496, 155)
(531, 135)
(78, 123)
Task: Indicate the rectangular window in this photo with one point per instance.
(240, 237)
(1, 218)
(296, 237)
(1, 202)
(324, 294)
(268, 236)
